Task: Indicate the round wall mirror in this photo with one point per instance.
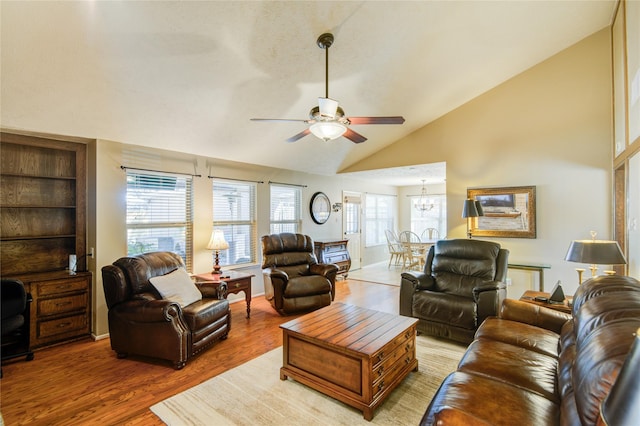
(320, 208)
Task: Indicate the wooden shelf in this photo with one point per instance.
(36, 237)
(22, 175)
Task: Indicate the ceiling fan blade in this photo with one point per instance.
(278, 119)
(353, 136)
(300, 135)
(377, 120)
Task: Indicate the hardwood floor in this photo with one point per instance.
(83, 382)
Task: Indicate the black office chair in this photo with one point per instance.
(14, 304)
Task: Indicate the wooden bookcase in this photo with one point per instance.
(43, 196)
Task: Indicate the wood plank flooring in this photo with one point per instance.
(83, 382)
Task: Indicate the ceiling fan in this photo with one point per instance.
(327, 120)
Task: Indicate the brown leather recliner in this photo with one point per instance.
(142, 323)
(462, 284)
(294, 281)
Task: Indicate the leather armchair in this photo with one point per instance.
(462, 284)
(142, 323)
(294, 281)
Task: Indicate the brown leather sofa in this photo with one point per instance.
(461, 285)
(294, 281)
(537, 366)
(142, 323)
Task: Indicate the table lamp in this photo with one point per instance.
(217, 243)
(595, 252)
(471, 209)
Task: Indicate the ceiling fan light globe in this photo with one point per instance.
(328, 107)
(328, 130)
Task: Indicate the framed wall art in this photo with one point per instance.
(508, 212)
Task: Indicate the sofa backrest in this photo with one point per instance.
(129, 276)
(292, 253)
(460, 265)
(604, 325)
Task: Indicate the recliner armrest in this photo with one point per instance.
(419, 280)
(276, 273)
(141, 310)
(488, 286)
(324, 269)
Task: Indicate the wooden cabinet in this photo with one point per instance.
(43, 204)
(334, 252)
(43, 200)
(60, 309)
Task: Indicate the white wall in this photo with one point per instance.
(550, 127)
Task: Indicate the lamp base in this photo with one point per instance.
(216, 266)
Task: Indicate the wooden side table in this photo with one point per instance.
(530, 295)
(236, 282)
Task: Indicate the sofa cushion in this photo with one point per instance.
(520, 334)
(177, 286)
(205, 312)
(307, 286)
(445, 308)
(486, 398)
(519, 366)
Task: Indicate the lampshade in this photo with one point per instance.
(622, 406)
(327, 107)
(596, 252)
(217, 241)
(470, 208)
(328, 130)
(479, 208)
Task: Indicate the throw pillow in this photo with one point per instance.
(177, 286)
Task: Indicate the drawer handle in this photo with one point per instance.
(380, 371)
(63, 287)
(380, 356)
(407, 335)
(237, 285)
(63, 303)
(407, 348)
(380, 385)
(64, 324)
(407, 360)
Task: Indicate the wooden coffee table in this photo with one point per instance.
(352, 354)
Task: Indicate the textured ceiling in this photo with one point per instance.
(188, 76)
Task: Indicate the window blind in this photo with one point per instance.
(159, 214)
(285, 209)
(234, 212)
(379, 215)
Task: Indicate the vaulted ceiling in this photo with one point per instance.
(188, 76)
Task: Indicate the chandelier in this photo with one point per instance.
(423, 204)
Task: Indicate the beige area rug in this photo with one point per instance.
(253, 394)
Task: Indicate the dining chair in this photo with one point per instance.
(430, 234)
(395, 248)
(412, 258)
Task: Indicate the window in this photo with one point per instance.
(234, 212)
(379, 213)
(286, 203)
(159, 214)
(434, 218)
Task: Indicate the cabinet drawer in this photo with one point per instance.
(54, 287)
(334, 258)
(333, 248)
(72, 325)
(60, 305)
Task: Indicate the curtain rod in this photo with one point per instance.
(158, 171)
(288, 184)
(239, 180)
